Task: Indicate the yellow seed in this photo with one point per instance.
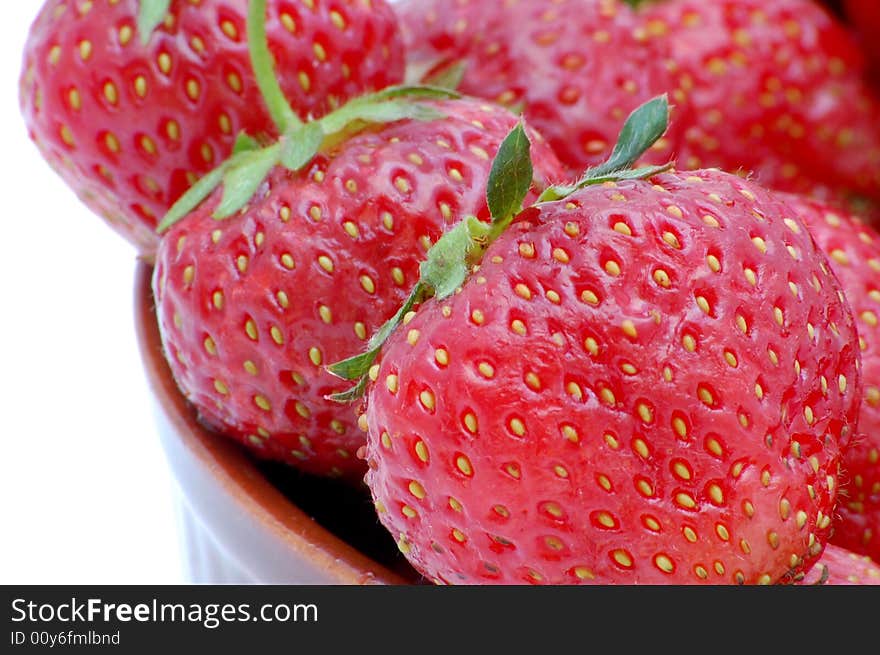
(486, 370)
(705, 395)
(612, 268)
(670, 239)
(427, 399)
(417, 490)
(661, 277)
(680, 427)
(685, 500)
(391, 383)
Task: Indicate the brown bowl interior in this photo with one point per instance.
(329, 524)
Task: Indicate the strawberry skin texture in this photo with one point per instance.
(645, 383)
(251, 309)
(576, 67)
(853, 248)
(838, 566)
(130, 127)
(775, 88)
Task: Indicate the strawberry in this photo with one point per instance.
(838, 566)
(574, 66)
(853, 248)
(645, 381)
(251, 309)
(131, 124)
(776, 88)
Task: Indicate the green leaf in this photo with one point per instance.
(242, 178)
(448, 261)
(384, 111)
(640, 131)
(412, 91)
(192, 198)
(243, 143)
(150, 15)
(352, 394)
(302, 145)
(448, 77)
(355, 368)
(511, 176)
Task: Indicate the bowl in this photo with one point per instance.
(243, 521)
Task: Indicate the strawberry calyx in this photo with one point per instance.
(300, 141)
(450, 260)
(151, 13)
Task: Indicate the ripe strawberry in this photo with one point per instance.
(838, 566)
(130, 126)
(644, 382)
(251, 309)
(777, 88)
(854, 251)
(574, 66)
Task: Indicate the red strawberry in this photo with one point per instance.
(575, 66)
(777, 88)
(644, 382)
(854, 251)
(864, 15)
(838, 566)
(130, 126)
(251, 309)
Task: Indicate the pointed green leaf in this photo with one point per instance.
(352, 394)
(413, 91)
(386, 111)
(448, 262)
(243, 143)
(511, 176)
(302, 145)
(448, 77)
(150, 15)
(355, 368)
(243, 177)
(192, 198)
(640, 131)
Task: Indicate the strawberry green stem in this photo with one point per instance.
(449, 261)
(261, 61)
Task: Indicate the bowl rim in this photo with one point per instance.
(236, 473)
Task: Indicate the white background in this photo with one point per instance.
(85, 492)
